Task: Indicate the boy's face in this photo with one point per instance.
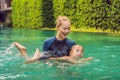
(77, 52)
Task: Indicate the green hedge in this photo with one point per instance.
(103, 14)
(26, 13)
(32, 13)
(47, 13)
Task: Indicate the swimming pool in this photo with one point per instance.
(105, 48)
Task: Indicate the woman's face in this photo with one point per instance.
(63, 30)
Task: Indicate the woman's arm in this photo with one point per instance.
(60, 58)
(65, 58)
(71, 60)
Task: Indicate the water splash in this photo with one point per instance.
(10, 50)
(6, 54)
(10, 76)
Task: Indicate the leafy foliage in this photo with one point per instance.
(103, 14)
(99, 14)
(26, 13)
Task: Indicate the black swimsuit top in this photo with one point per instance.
(59, 48)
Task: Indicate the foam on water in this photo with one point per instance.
(10, 76)
(9, 49)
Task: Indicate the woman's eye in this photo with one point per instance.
(68, 28)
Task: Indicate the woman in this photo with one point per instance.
(59, 45)
(56, 46)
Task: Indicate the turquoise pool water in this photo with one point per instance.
(105, 48)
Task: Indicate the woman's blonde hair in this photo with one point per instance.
(61, 19)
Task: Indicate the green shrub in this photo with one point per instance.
(26, 13)
(103, 14)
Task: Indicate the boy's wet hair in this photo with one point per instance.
(74, 46)
(77, 46)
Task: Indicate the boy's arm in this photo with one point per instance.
(86, 59)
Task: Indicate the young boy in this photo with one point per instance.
(76, 52)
